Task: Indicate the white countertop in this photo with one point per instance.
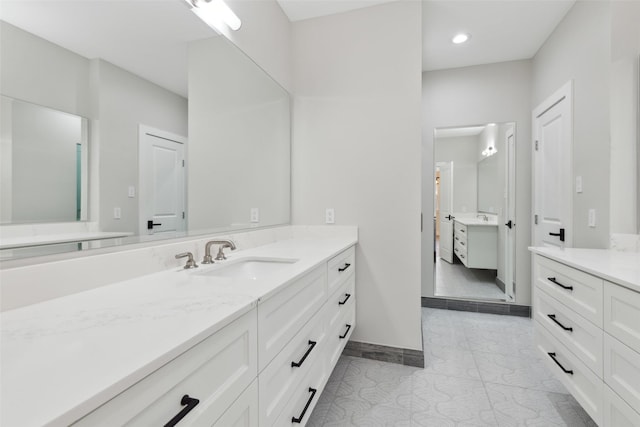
(65, 357)
(50, 239)
(476, 221)
(618, 267)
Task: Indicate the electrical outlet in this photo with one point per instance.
(330, 216)
(132, 191)
(117, 213)
(255, 215)
(592, 217)
(578, 184)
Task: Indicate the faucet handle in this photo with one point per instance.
(190, 261)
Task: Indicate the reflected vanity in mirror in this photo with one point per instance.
(475, 211)
(178, 131)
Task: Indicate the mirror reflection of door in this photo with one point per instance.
(162, 182)
(475, 200)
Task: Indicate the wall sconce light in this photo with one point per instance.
(216, 14)
(489, 151)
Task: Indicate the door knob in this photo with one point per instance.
(150, 224)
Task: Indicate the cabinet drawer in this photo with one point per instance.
(281, 377)
(340, 267)
(459, 228)
(462, 255)
(622, 314)
(340, 302)
(282, 316)
(339, 334)
(214, 371)
(244, 411)
(583, 384)
(617, 412)
(622, 370)
(460, 238)
(579, 291)
(582, 337)
(304, 397)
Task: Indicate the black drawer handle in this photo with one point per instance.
(553, 280)
(345, 300)
(560, 234)
(343, 336)
(553, 317)
(462, 256)
(189, 403)
(462, 243)
(304, 411)
(346, 265)
(457, 238)
(566, 371)
(298, 364)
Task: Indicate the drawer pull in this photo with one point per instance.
(462, 243)
(457, 238)
(343, 336)
(345, 300)
(304, 411)
(312, 344)
(189, 403)
(346, 265)
(566, 371)
(553, 280)
(553, 317)
(461, 256)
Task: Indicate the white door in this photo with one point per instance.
(553, 136)
(510, 217)
(446, 207)
(162, 182)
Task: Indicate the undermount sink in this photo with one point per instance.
(253, 268)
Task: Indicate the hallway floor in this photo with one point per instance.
(480, 370)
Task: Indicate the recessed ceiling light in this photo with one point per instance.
(460, 38)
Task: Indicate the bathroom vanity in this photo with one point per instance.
(586, 309)
(475, 242)
(245, 342)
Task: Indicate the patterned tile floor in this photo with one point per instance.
(480, 370)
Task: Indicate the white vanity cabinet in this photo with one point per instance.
(476, 245)
(266, 368)
(587, 330)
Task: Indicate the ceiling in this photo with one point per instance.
(116, 31)
(501, 30)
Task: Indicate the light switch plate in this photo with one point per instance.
(132, 191)
(592, 217)
(578, 184)
(330, 216)
(255, 215)
(117, 213)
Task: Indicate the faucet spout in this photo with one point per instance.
(208, 259)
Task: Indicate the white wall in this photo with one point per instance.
(462, 152)
(478, 95)
(579, 49)
(125, 101)
(265, 36)
(356, 148)
(625, 50)
(239, 133)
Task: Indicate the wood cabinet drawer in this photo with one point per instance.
(583, 384)
(304, 397)
(341, 301)
(622, 370)
(244, 411)
(281, 316)
(280, 378)
(214, 371)
(340, 267)
(579, 291)
(339, 334)
(622, 314)
(582, 337)
(617, 412)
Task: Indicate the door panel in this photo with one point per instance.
(446, 207)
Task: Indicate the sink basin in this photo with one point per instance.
(253, 268)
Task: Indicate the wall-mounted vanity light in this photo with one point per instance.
(216, 14)
(489, 151)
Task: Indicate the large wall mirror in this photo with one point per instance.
(475, 212)
(133, 120)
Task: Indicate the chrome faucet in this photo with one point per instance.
(190, 261)
(483, 216)
(220, 256)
